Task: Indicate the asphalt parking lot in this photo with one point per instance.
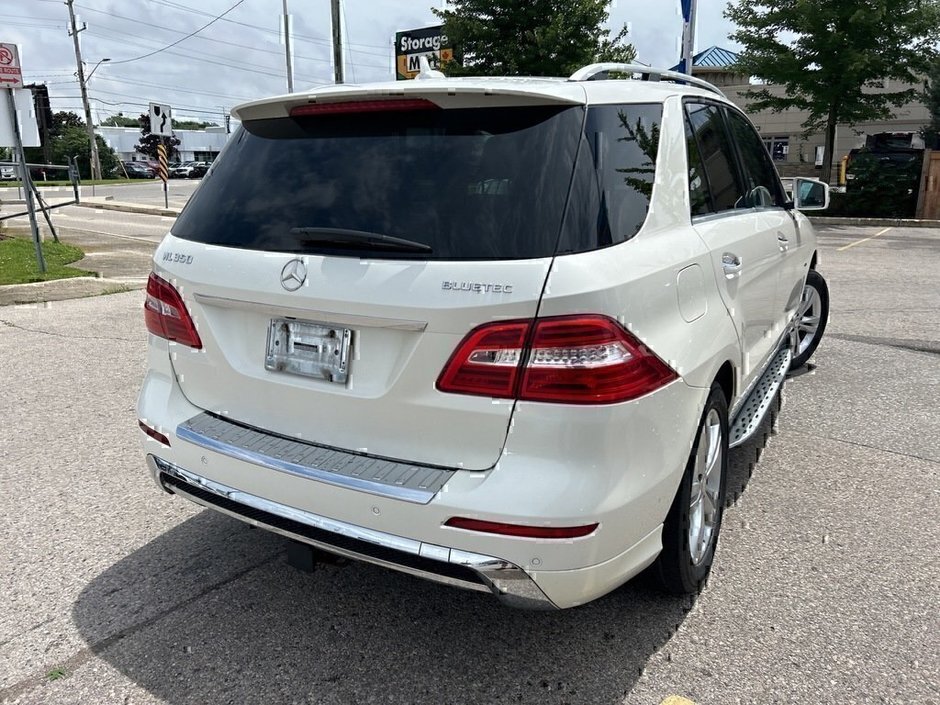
(824, 591)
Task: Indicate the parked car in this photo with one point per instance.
(179, 171)
(138, 170)
(496, 333)
(190, 170)
(8, 173)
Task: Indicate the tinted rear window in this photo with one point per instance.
(471, 184)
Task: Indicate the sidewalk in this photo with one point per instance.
(107, 203)
(116, 269)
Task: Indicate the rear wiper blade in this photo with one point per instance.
(358, 238)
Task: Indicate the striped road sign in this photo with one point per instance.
(161, 157)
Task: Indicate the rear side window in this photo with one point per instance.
(763, 185)
(613, 181)
(470, 184)
(699, 198)
(716, 154)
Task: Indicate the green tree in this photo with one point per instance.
(120, 120)
(148, 141)
(69, 138)
(530, 37)
(931, 98)
(829, 55)
(62, 120)
(72, 141)
(192, 125)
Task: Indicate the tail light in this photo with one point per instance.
(584, 359)
(166, 314)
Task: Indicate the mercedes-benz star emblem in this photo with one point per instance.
(294, 275)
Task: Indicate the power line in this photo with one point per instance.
(207, 60)
(230, 63)
(207, 39)
(213, 21)
(319, 40)
(234, 44)
(7, 23)
(352, 66)
(186, 108)
(173, 88)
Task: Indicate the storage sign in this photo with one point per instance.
(414, 43)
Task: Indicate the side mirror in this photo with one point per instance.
(810, 195)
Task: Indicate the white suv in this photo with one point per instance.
(497, 333)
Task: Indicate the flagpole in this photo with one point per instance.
(688, 35)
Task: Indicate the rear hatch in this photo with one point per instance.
(334, 258)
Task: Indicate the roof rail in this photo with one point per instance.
(647, 73)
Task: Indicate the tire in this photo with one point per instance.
(811, 318)
(690, 532)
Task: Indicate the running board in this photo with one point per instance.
(760, 400)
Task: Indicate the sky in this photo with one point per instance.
(241, 56)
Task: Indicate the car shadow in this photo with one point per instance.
(744, 459)
(210, 612)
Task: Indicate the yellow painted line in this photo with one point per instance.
(676, 700)
(859, 242)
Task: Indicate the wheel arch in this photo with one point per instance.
(725, 379)
(815, 258)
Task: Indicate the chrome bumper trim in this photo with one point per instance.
(306, 314)
(510, 583)
(759, 402)
(379, 476)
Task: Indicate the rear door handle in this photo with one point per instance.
(783, 242)
(731, 264)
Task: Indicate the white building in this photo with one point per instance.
(195, 145)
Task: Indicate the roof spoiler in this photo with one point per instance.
(596, 72)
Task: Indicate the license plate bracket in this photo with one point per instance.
(309, 349)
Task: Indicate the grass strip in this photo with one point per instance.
(18, 261)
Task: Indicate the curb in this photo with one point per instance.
(103, 205)
(875, 222)
(62, 289)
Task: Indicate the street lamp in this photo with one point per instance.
(83, 83)
(88, 77)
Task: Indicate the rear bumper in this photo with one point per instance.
(471, 571)
(618, 466)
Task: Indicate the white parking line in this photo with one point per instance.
(859, 242)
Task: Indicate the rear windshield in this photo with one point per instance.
(469, 183)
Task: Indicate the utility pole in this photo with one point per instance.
(95, 162)
(290, 70)
(337, 42)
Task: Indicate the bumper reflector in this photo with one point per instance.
(154, 433)
(520, 530)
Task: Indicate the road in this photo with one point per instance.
(824, 591)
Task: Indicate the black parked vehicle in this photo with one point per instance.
(138, 170)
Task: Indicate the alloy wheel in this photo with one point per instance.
(807, 319)
(704, 509)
